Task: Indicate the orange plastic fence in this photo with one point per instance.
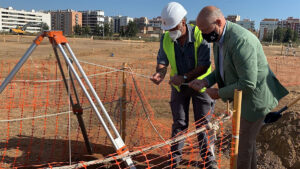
(38, 129)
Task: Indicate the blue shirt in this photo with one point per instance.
(221, 57)
(185, 55)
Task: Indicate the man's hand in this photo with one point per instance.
(176, 80)
(198, 84)
(213, 93)
(157, 78)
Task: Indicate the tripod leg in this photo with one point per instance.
(86, 93)
(93, 91)
(118, 142)
(17, 67)
(77, 109)
(84, 133)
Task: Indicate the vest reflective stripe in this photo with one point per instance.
(168, 46)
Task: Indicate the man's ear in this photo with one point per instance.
(219, 22)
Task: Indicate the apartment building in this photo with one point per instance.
(109, 20)
(118, 22)
(247, 24)
(142, 24)
(267, 25)
(11, 18)
(290, 22)
(155, 22)
(65, 20)
(92, 18)
(233, 18)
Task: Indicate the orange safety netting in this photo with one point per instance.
(38, 128)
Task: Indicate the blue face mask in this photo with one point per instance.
(211, 37)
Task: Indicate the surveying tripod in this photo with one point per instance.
(59, 41)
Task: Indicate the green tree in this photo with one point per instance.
(107, 30)
(288, 35)
(123, 31)
(295, 36)
(279, 34)
(77, 29)
(132, 29)
(44, 26)
(98, 31)
(86, 30)
(268, 37)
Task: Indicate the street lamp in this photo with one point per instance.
(103, 30)
(273, 33)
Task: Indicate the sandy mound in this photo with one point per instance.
(278, 145)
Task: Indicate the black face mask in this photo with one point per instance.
(211, 37)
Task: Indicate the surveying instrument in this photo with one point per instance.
(60, 42)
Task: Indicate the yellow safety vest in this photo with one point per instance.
(168, 46)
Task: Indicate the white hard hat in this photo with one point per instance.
(171, 15)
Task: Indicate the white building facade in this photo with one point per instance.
(124, 20)
(118, 22)
(267, 26)
(93, 18)
(155, 22)
(247, 24)
(110, 21)
(11, 18)
(233, 18)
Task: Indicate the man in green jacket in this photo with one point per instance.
(240, 63)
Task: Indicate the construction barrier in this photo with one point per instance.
(38, 128)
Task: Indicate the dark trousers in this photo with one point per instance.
(202, 105)
(247, 143)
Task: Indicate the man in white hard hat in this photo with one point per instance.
(183, 47)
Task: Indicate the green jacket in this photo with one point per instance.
(246, 68)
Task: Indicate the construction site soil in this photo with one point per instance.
(278, 144)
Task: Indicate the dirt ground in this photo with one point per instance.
(277, 145)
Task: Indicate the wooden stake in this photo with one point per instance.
(123, 123)
(4, 39)
(235, 128)
(228, 106)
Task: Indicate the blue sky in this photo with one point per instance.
(252, 9)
